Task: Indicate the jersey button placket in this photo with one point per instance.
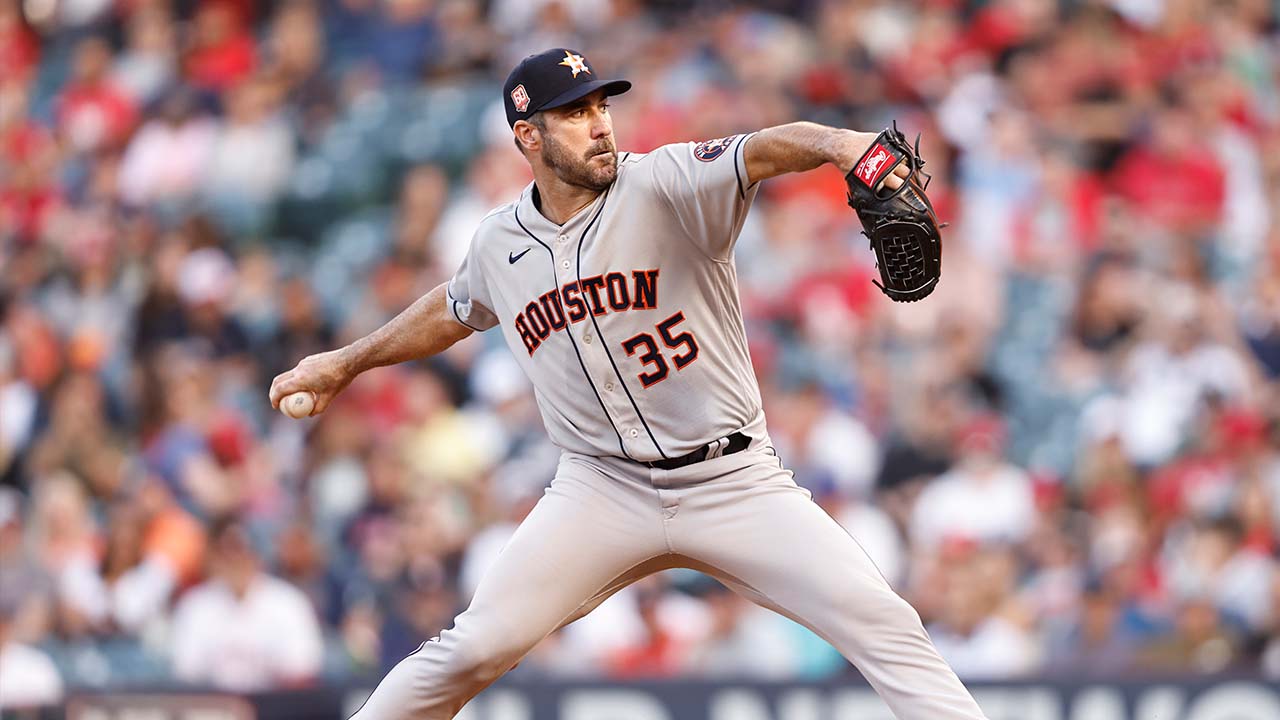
(596, 357)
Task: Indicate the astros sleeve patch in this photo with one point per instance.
(709, 150)
(706, 185)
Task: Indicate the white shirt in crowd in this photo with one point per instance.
(252, 160)
(996, 649)
(999, 507)
(28, 678)
(268, 637)
(167, 162)
(1164, 393)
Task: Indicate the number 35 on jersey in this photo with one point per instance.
(611, 292)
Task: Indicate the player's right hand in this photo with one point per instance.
(325, 374)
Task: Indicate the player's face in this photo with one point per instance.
(578, 143)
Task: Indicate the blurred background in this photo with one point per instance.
(1068, 458)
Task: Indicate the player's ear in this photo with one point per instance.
(528, 136)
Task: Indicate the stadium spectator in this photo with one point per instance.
(93, 113)
(1200, 642)
(149, 61)
(403, 39)
(979, 631)
(24, 583)
(1097, 645)
(659, 651)
(28, 677)
(743, 639)
(296, 62)
(154, 549)
(167, 159)
(29, 189)
(982, 499)
(251, 157)
(69, 543)
(19, 47)
(222, 51)
(243, 629)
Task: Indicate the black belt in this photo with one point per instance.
(737, 442)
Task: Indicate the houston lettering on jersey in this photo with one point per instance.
(599, 294)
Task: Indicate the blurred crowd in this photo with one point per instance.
(1068, 458)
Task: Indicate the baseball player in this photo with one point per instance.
(611, 278)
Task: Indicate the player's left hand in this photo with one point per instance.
(861, 143)
(887, 190)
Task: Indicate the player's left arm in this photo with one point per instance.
(801, 146)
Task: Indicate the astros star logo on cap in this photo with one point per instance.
(575, 63)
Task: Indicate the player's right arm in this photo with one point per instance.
(425, 328)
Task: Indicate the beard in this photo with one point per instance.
(580, 171)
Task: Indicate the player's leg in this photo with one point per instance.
(588, 535)
(765, 537)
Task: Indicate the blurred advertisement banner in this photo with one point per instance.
(147, 706)
(1166, 699)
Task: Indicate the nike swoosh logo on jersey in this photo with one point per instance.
(512, 257)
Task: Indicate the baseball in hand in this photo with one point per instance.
(299, 404)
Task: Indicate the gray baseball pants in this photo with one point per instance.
(606, 522)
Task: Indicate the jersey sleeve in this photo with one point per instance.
(706, 185)
(469, 300)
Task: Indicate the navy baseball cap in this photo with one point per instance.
(550, 79)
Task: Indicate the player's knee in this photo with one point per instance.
(907, 613)
(885, 608)
(483, 657)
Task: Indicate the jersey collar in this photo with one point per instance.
(544, 228)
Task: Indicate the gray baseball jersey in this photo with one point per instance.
(626, 318)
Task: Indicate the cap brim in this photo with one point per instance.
(611, 88)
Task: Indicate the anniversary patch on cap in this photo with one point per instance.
(520, 97)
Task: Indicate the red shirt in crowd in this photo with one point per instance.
(658, 657)
(1184, 191)
(221, 66)
(94, 115)
(28, 196)
(19, 49)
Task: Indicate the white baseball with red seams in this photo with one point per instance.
(299, 404)
(626, 319)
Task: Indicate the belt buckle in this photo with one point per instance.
(706, 452)
(719, 447)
